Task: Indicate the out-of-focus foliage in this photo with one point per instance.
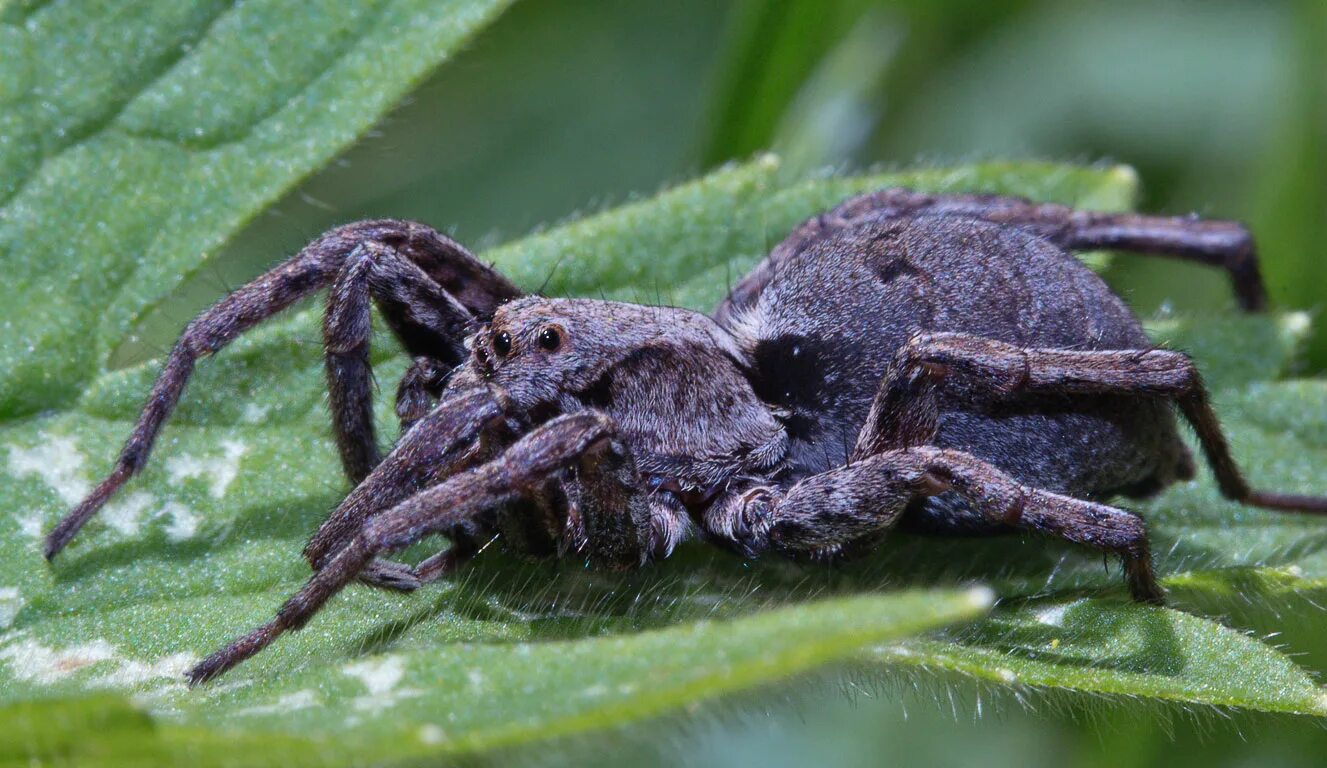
(135, 136)
(1221, 106)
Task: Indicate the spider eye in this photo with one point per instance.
(550, 339)
(502, 344)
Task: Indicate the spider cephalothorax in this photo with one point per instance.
(940, 362)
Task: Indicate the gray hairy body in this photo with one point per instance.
(820, 361)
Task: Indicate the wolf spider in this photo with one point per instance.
(937, 361)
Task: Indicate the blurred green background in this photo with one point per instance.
(563, 107)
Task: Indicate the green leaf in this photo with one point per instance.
(1121, 649)
(685, 246)
(1290, 196)
(135, 138)
(494, 683)
(770, 51)
(205, 543)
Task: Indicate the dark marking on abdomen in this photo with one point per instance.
(895, 268)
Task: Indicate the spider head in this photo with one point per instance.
(525, 349)
(540, 351)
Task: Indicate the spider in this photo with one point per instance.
(939, 362)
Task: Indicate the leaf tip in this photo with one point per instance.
(980, 597)
(768, 161)
(1320, 703)
(1296, 325)
(1125, 176)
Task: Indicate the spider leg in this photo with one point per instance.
(612, 517)
(904, 410)
(471, 288)
(1224, 244)
(520, 471)
(373, 268)
(430, 322)
(602, 509)
(416, 395)
(419, 390)
(451, 438)
(822, 514)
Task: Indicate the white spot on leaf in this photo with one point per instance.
(56, 461)
(1297, 324)
(1052, 616)
(59, 464)
(431, 734)
(183, 522)
(30, 524)
(30, 661)
(11, 602)
(381, 678)
(218, 471)
(254, 413)
(290, 702)
(126, 515)
(133, 673)
(981, 596)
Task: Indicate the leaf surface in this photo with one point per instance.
(137, 137)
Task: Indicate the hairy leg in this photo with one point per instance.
(409, 297)
(520, 471)
(419, 390)
(455, 435)
(904, 411)
(824, 513)
(399, 577)
(611, 516)
(1224, 244)
(472, 285)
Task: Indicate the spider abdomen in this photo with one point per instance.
(826, 324)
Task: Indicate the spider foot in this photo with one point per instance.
(233, 654)
(390, 575)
